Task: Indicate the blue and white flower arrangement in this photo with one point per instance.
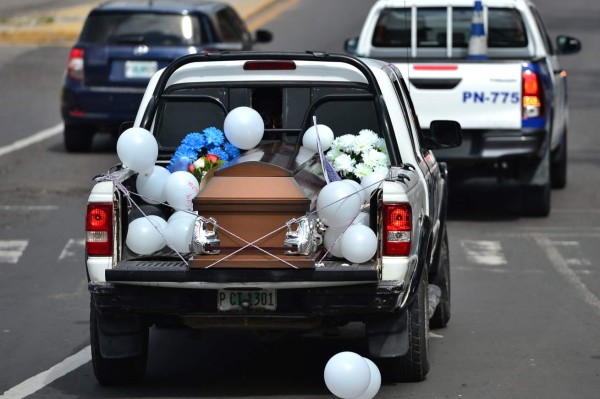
(209, 146)
(355, 156)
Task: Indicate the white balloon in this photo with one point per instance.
(244, 127)
(338, 203)
(309, 140)
(375, 382)
(179, 232)
(362, 218)
(358, 188)
(144, 235)
(181, 214)
(370, 183)
(152, 186)
(359, 243)
(180, 190)
(347, 375)
(332, 240)
(137, 149)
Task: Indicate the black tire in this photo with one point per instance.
(414, 365)
(121, 371)
(536, 200)
(558, 168)
(441, 315)
(78, 138)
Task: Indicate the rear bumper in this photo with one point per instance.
(360, 298)
(111, 105)
(495, 145)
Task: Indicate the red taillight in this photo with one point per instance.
(98, 229)
(75, 64)
(269, 66)
(532, 95)
(397, 227)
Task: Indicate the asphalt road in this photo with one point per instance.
(525, 308)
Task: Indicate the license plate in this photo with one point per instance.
(140, 69)
(231, 300)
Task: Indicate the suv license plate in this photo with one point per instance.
(232, 300)
(140, 69)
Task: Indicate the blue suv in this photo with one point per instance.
(122, 44)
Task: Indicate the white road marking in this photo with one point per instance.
(34, 138)
(565, 243)
(45, 378)
(28, 208)
(487, 253)
(11, 250)
(562, 267)
(72, 248)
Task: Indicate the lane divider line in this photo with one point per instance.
(562, 267)
(47, 377)
(34, 138)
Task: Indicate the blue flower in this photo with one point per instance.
(231, 150)
(194, 140)
(213, 136)
(210, 141)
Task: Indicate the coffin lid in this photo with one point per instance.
(274, 160)
(277, 176)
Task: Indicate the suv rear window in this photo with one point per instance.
(505, 28)
(141, 28)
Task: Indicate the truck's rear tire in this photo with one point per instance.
(78, 138)
(414, 365)
(536, 200)
(441, 315)
(117, 371)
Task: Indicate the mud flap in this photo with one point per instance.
(388, 336)
(119, 335)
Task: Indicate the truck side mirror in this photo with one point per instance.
(263, 36)
(350, 45)
(567, 45)
(443, 134)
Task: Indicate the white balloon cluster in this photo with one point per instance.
(149, 234)
(351, 376)
(138, 150)
(348, 234)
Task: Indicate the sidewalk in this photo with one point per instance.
(61, 27)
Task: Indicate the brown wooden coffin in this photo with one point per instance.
(251, 200)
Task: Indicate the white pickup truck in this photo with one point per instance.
(284, 281)
(512, 106)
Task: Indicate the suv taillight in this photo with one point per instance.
(98, 229)
(532, 95)
(397, 228)
(75, 64)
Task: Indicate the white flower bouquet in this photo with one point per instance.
(355, 156)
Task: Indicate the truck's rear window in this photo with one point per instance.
(505, 28)
(286, 110)
(141, 28)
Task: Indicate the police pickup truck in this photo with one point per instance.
(258, 259)
(511, 102)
